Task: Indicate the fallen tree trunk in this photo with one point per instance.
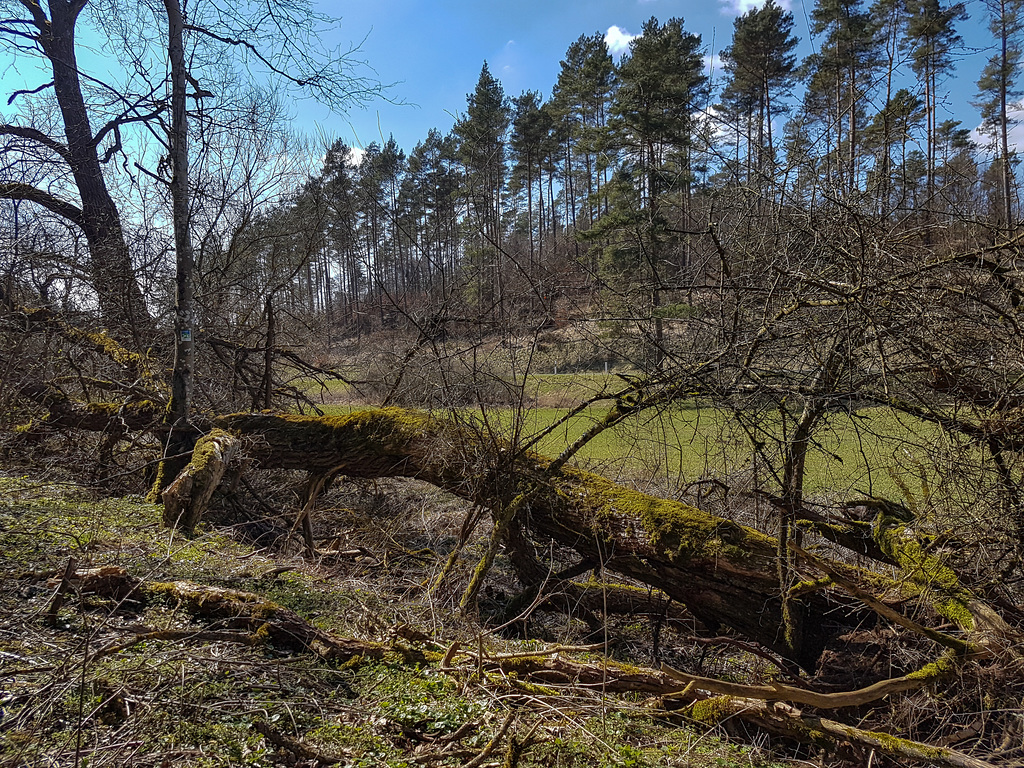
(189, 494)
(65, 412)
(723, 572)
(261, 619)
(789, 722)
(253, 620)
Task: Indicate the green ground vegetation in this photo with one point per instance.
(94, 683)
(870, 452)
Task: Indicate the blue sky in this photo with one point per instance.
(433, 52)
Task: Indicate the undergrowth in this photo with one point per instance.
(79, 688)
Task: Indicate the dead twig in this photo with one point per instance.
(492, 744)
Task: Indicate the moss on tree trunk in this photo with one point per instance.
(724, 573)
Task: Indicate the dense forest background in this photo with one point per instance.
(781, 317)
(599, 198)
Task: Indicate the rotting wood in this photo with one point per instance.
(187, 497)
(255, 620)
(835, 573)
(943, 668)
(784, 720)
(67, 413)
(724, 573)
(264, 620)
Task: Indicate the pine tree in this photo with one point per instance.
(998, 87)
(932, 38)
(761, 69)
(839, 80)
(890, 20)
(531, 130)
(337, 181)
(661, 86)
(889, 133)
(580, 102)
(378, 187)
(431, 187)
(482, 136)
(957, 172)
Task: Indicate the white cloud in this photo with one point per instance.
(506, 64)
(987, 141)
(739, 7)
(618, 40)
(356, 158)
(713, 65)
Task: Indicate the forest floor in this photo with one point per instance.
(90, 680)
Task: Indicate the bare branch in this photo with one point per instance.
(14, 190)
(34, 134)
(28, 91)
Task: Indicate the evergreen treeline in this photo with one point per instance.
(608, 187)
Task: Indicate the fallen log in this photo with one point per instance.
(65, 412)
(784, 720)
(263, 620)
(190, 493)
(724, 573)
(255, 620)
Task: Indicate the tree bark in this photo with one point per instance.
(120, 297)
(724, 573)
(190, 493)
(179, 409)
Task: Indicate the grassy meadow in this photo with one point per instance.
(872, 451)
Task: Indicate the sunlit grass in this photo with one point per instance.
(869, 452)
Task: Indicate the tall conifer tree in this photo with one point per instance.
(482, 137)
(580, 101)
(761, 69)
(932, 38)
(998, 88)
(840, 80)
(661, 86)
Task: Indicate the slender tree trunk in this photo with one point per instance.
(267, 384)
(181, 437)
(1004, 128)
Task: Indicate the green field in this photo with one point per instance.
(871, 452)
